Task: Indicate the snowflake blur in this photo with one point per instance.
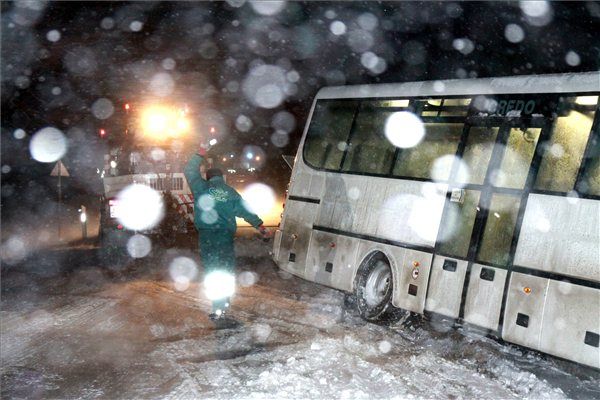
(260, 198)
(48, 145)
(139, 207)
(219, 285)
(183, 270)
(404, 129)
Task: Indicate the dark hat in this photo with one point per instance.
(212, 172)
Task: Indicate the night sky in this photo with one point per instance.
(59, 58)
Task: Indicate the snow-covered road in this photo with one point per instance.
(73, 328)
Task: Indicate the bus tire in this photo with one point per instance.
(374, 288)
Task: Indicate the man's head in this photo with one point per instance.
(212, 172)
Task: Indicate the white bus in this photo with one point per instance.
(476, 200)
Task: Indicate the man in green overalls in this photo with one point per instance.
(216, 205)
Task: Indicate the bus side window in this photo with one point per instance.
(370, 151)
(520, 148)
(590, 181)
(441, 139)
(499, 227)
(328, 133)
(455, 231)
(564, 151)
(477, 154)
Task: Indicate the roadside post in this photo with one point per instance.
(59, 170)
(83, 219)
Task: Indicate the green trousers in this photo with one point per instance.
(217, 253)
(216, 250)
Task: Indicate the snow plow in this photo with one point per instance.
(177, 199)
(150, 153)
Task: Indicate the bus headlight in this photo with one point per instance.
(219, 285)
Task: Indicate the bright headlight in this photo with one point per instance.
(219, 285)
(162, 122)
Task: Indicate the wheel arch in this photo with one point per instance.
(367, 255)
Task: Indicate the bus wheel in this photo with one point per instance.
(374, 288)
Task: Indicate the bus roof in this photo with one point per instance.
(553, 83)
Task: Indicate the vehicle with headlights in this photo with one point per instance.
(151, 152)
(475, 201)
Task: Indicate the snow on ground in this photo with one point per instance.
(73, 327)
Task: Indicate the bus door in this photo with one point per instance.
(486, 195)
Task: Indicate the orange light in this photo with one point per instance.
(127, 106)
(224, 158)
(416, 263)
(257, 158)
(212, 129)
(527, 289)
(163, 122)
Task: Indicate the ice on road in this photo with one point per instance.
(75, 327)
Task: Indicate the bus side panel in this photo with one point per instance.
(524, 312)
(345, 263)
(321, 257)
(375, 197)
(348, 203)
(484, 296)
(549, 223)
(315, 189)
(306, 182)
(332, 260)
(409, 216)
(277, 244)
(300, 184)
(340, 213)
(295, 236)
(410, 283)
(572, 323)
(327, 204)
(445, 286)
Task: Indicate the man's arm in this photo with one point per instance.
(192, 173)
(241, 211)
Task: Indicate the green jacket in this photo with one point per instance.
(215, 204)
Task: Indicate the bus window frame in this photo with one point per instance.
(411, 107)
(471, 117)
(487, 189)
(586, 162)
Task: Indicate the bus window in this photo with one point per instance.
(477, 154)
(590, 182)
(459, 218)
(328, 133)
(442, 107)
(514, 168)
(440, 139)
(498, 232)
(392, 103)
(564, 151)
(430, 108)
(370, 151)
(455, 107)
